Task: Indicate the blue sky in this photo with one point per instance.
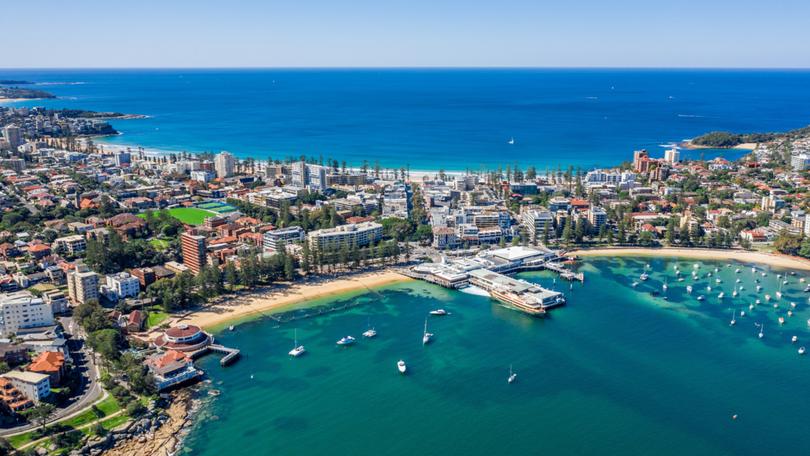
(335, 33)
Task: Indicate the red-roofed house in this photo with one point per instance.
(51, 364)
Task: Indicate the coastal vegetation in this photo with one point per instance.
(22, 93)
(725, 139)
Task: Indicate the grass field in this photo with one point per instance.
(155, 318)
(159, 244)
(107, 406)
(189, 215)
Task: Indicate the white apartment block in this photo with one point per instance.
(123, 285)
(536, 221)
(272, 239)
(71, 244)
(360, 234)
(32, 385)
(22, 310)
(82, 286)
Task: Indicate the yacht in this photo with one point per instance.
(511, 141)
(438, 312)
(348, 340)
(635, 284)
(512, 375)
(733, 319)
(701, 298)
(794, 339)
(761, 331)
(721, 295)
(781, 320)
(644, 276)
(402, 367)
(370, 332)
(689, 288)
(801, 350)
(297, 350)
(426, 336)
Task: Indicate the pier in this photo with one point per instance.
(230, 353)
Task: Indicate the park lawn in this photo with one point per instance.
(107, 406)
(159, 244)
(188, 215)
(115, 421)
(155, 318)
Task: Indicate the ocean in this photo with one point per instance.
(430, 119)
(616, 371)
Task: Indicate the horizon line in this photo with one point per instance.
(410, 67)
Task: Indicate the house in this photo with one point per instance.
(171, 368)
(132, 322)
(51, 364)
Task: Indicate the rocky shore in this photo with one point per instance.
(156, 433)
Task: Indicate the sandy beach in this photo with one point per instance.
(771, 259)
(257, 304)
(691, 146)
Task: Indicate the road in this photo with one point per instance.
(90, 390)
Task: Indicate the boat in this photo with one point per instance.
(701, 298)
(794, 339)
(512, 375)
(438, 312)
(370, 332)
(230, 328)
(761, 331)
(689, 288)
(801, 280)
(402, 367)
(759, 287)
(793, 305)
(801, 350)
(742, 313)
(781, 320)
(680, 279)
(721, 295)
(664, 286)
(644, 276)
(426, 336)
(297, 350)
(716, 269)
(734, 293)
(775, 305)
(635, 284)
(767, 297)
(754, 270)
(717, 281)
(737, 271)
(808, 322)
(737, 281)
(733, 319)
(763, 274)
(511, 141)
(708, 288)
(348, 340)
(750, 307)
(757, 302)
(696, 265)
(790, 313)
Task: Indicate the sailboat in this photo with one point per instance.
(511, 141)
(689, 288)
(512, 375)
(370, 332)
(665, 286)
(426, 336)
(761, 331)
(401, 367)
(297, 350)
(734, 293)
(733, 319)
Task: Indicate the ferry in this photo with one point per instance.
(348, 340)
(401, 367)
(438, 312)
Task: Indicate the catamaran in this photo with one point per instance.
(512, 375)
(426, 336)
(297, 350)
(370, 332)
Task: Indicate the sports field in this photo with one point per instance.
(189, 215)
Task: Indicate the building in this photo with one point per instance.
(800, 162)
(50, 363)
(22, 310)
(672, 155)
(359, 234)
(122, 159)
(82, 286)
(71, 244)
(123, 285)
(15, 164)
(202, 176)
(597, 217)
(13, 135)
(536, 222)
(57, 300)
(185, 338)
(641, 161)
(272, 239)
(32, 385)
(171, 368)
(193, 248)
(12, 399)
(224, 164)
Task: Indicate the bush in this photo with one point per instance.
(135, 409)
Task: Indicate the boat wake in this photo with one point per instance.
(473, 290)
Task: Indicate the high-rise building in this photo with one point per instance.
(672, 155)
(224, 164)
(193, 248)
(272, 239)
(82, 286)
(597, 217)
(122, 158)
(359, 234)
(13, 135)
(537, 222)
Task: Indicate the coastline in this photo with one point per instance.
(744, 146)
(743, 256)
(254, 305)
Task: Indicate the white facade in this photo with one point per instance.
(360, 234)
(536, 222)
(672, 155)
(32, 385)
(224, 163)
(800, 162)
(124, 285)
(21, 310)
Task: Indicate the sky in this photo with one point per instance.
(409, 33)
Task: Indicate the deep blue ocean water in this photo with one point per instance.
(432, 119)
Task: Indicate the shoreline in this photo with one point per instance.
(255, 305)
(743, 146)
(742, 256)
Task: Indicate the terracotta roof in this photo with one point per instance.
(49, 362)
(171, 356)
(182, 331)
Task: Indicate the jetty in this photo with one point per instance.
(230, 353)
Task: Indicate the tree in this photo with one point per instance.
(106, 342)
(40, 413)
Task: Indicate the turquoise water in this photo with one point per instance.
(429, 119)
(617, 371)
